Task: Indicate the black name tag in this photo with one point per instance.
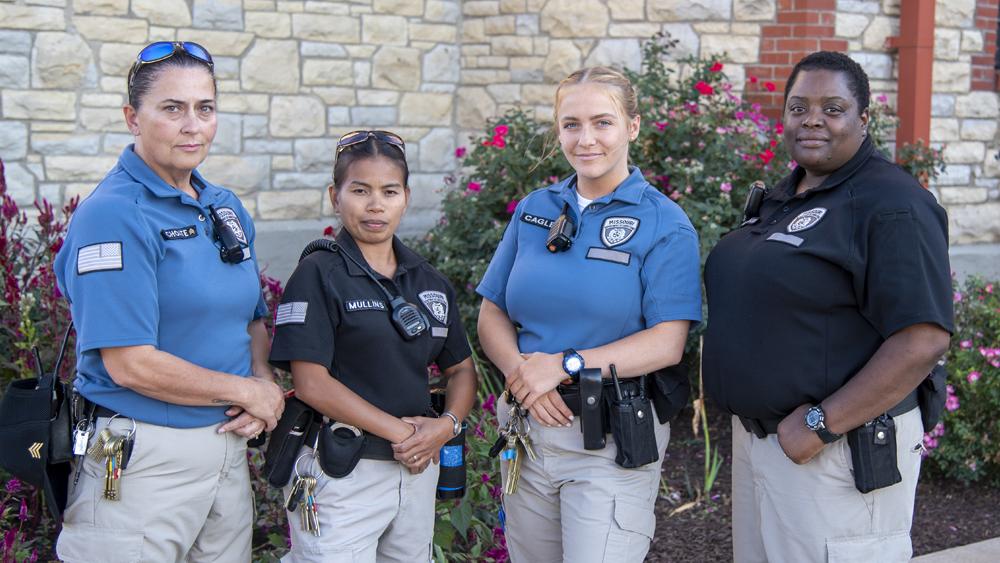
(536, 220)
(353, 305)
(179, 233)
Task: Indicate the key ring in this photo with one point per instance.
(131, 433)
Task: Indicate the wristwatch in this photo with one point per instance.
(816, 421)
(456, 426)
(572, 364)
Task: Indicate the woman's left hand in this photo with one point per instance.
(799, 443)
(535, 376)
(242, 423)
(424, 445)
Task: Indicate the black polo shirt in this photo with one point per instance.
(800, 301)
(334, 315)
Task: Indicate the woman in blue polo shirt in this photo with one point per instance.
(625, 293)
(159, 269)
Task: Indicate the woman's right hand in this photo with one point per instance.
(264, 400)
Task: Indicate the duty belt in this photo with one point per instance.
(762, 427)
(571, 392)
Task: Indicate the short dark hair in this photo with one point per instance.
(369, 148)
(857, 79)
(147, 74)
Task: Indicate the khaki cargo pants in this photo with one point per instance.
(185, 497)
(577, 506)
(783, 512)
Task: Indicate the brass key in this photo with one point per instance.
(513, 457)
(310, 512)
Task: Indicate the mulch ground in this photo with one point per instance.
(947, 514)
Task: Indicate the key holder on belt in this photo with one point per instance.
(409, 321)
(591, 400)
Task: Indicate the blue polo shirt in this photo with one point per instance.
(633, 264)
(140, 265)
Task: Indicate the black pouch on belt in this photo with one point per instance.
(287, 439)
(669, 390)
(339, 449)
(932, 395)
(873, 454)
(632, 426)
(591, 412)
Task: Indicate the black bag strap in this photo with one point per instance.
(47, 380)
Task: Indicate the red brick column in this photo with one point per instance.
(984, 75)
(800, 27)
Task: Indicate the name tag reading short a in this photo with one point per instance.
(179, 233)
(355, 305)
(100, 257)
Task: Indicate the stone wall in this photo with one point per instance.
(295, 75)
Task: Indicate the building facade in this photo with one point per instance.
(295, 75)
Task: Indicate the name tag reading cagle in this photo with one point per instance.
(354, 305)
(536, 220)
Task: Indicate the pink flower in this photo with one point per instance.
(485, 477)
(739, 115)
(779, 128)
(661, 125)
(459, 152)
(957, 297)
(753, 79)
(13, 485)
(769, 86)
(512, 205)
(675, 196)
(951, 403)
(474, 187)
(766, 156)
(882, 98)
(498, 141)
(716, 67)
(328, 231)
(972, 377)
(989, 288)
(490, 404)
(22, 515)
(966, 344)
(501, 130)
(726, 187)
(552, 179)
(704, 88)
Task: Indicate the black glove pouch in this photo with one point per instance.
(931, 396)
(632, 428)
(669, 389)
(873, 454)
(287, 439)
(339, 450)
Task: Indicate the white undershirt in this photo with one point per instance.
(582, 202)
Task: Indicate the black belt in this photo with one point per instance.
(104, 412)
(762, 427)
(376, 447)
(570, 392)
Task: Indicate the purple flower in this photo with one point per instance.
(972, 377)
(726, 187)
(8, 539)
(22, 515)
(490, 404)
(485, 477)
(13, 486)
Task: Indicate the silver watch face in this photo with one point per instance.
(573, 364)
(814, 418)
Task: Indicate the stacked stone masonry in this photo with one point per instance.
(295, 75)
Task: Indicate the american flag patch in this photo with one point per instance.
(99, 257)
(293, 313)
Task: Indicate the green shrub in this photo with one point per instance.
(966, 444)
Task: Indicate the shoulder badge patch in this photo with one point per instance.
(291, 313)
(230, 218)
(179, 233)
(806, 219)
(99, 257)
(618, 230)
(437, 303)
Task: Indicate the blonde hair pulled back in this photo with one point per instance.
(619, 87)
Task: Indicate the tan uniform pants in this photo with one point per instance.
(379, 512)
(783, 512)
(185, 496)
(577, 506)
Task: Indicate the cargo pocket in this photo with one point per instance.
(886, 548)
(86, 544)
(631, 532)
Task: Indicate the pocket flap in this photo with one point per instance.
(634, 515)
(88, 543)
(885, 548)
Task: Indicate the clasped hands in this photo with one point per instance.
(533, 383)
(424, 445)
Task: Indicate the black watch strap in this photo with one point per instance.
(828, 437)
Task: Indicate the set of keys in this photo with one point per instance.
(304, 491)
(513, 444)
(114, 450)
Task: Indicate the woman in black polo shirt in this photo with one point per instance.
(825, 313)
(335, 333)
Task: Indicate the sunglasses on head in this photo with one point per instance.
(162, 50)
(357, 137)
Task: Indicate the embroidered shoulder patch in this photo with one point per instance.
(179, 233)
(537, 220)
(230, 218)
(99, 257)
(437, 303)
(616, 231)
(806, 219)
(291, 313)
